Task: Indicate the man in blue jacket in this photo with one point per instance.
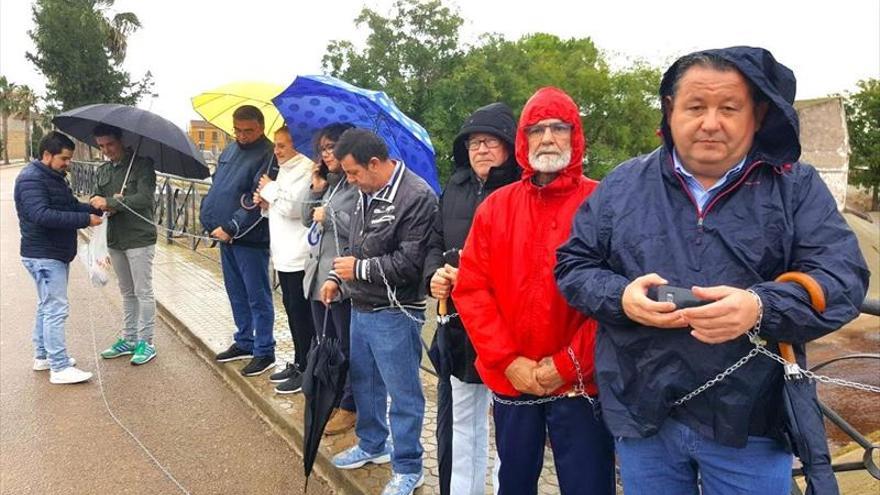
(722, 208)
(229, 214)
(48, 217)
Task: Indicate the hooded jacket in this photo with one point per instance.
(461, 196)
(773, 216)
(506, 295)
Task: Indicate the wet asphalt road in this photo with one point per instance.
(60, 439)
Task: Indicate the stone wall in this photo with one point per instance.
(825, 142)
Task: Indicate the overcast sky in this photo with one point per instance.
(193, 46)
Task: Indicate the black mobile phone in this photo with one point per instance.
(683, 298)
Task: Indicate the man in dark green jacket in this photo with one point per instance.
(127, 197)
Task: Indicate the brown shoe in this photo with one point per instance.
(340, 422)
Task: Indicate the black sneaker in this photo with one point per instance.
(258, 366)
(293, 385)
(233, 353)
(282, 376)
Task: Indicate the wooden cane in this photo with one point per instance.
(817, 299)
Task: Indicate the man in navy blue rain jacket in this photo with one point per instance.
(48, 217)
(228, 214)
(722, 208)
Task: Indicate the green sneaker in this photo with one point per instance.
(143, 353)
(122, 347)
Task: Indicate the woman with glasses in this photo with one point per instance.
(327, 211)
(484, 162)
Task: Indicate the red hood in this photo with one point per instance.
(551, 103)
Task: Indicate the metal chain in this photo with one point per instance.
(579, 390)
(761, 349)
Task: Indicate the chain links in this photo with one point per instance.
(760, 348)
(579, 390)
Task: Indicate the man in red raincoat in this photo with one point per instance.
(531, 345)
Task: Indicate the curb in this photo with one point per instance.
(279, 420)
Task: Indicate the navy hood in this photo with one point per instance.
(778, 139)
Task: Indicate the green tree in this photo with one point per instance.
(415, 57)
(405, 54)
(863, 125)
(7, 107)
(79, 49)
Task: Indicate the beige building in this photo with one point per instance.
(206, 137)
(17, 140)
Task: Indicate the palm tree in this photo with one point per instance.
(116, 28)
(25, 107)
(7, 107)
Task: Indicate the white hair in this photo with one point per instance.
(549, 163)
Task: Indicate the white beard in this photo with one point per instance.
(549, 164)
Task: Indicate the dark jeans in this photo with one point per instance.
(246, 277)
(299, 315)
(583, 449)
(338, 326)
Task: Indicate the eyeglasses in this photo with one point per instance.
(328, 148)
(241, 132)
(557, 129)
(491, 143)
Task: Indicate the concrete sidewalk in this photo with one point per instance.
(191, 298)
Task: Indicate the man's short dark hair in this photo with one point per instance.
(362, 145)
(249, 112)
(102, 130)
(54, 142)
(710, 61)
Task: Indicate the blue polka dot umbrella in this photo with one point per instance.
(312, 102)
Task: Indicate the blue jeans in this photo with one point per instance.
(583, 450)
(679, 461)
(52, 309)
(246, 276)
(385, 357)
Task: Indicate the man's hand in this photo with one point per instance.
(344, 267)
(521, 373)
(548, 376)
(263, 181)
(639, 308)
(441, 283)
(95, 220)
(733, 313)
(329, 291)
(118, 196)
(98, 203)
(221, 235)
(318, 214)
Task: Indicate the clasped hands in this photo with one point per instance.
(534, 377)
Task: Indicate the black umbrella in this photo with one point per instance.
(803, 418)
(323, 383)
(440, 355)
(150, 135)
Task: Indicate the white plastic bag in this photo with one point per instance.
(96, 256)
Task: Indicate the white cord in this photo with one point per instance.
(116, 419)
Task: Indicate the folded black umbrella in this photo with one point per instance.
(323, 383)
(805, 426)
(150, 135)
(441, 358)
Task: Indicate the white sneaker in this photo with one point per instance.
(69, 375)
(43, 364)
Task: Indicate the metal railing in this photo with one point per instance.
(176, 204)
